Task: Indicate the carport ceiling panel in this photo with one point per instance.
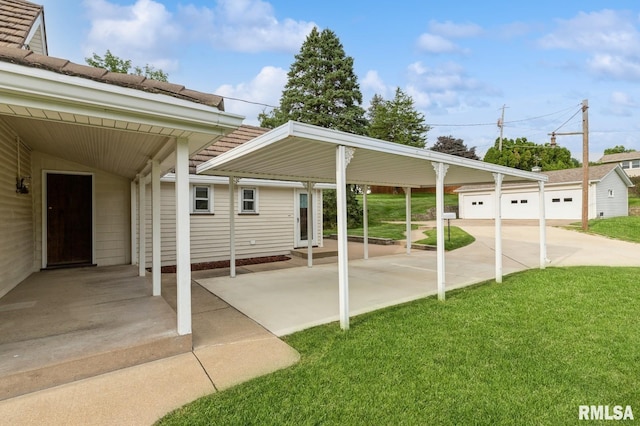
(387, 169)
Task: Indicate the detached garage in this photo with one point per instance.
(608, 196)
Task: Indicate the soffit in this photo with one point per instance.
(302, 152)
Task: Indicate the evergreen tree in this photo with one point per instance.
(453, 146)
(397, 120)
(524, 155)
(322, 88)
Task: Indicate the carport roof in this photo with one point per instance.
(303, 152)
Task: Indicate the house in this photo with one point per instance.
(629, 161)
(608, 196)
(270, 215)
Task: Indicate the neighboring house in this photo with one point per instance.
(629, 161)
(608, 196)
(270, 216)
(23, 26)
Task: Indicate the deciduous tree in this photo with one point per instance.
(113, 63)
(524, 155)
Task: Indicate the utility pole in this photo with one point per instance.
(585, 160)
(501, 125)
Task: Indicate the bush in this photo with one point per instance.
(330, 209)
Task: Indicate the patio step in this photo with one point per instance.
(67, 370)
(317, 253)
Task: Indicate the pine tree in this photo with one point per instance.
(397, 120)
(454, 146)
(322, 88)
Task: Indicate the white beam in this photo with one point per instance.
(543, 227)
(134, 226)
(365, 220)
(310, 224)
(142, 232)
(155, 223)
(441, 171)
(498, 177)
(407, 214)
(343, 257)
(232, 227)
(183, 238)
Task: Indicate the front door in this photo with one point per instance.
(69, 220)
(303, 228)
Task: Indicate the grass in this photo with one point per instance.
(394, 231)
(527, 351)
(459, 238)
(626, 228)
(390, 208)
(634, 200)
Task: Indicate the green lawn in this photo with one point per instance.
(625, 228)
(391, 207)
(454, 240)
(634, 201)
(395, 231)
(527, 351)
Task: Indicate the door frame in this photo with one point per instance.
(297, 242)
(45, 221)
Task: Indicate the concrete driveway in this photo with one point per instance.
(288, 300)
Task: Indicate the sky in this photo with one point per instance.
(462, 62)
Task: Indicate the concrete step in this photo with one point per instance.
(63, 370)
(317, 253)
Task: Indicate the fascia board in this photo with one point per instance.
(37, 88)
(223, 180)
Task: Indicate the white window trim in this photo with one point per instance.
(611, 193)
(193, 199)
(256, 198)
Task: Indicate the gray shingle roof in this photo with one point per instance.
(596, 173)
(239, 136)
(616, 158)
(17, 18)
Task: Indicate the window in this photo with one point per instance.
(473, 203)
(480, 203)
(248, 200)
(635, 164)
(555, 200)
(202, 199)
(568, 200)
(514, 201)
(626, 164)
(524, 201)
(611, 193)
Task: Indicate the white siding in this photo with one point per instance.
(615, 205)
(112, 210)
(268, 233)
(16, 218)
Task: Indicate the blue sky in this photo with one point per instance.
(460, 61)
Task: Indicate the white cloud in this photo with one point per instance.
(622, 99)
(266, 88)
(373, 82)
(246, 26)
(610, 38)
(452, 30)
(140, 32)
(436, 44)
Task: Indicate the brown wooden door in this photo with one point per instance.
(69, 219)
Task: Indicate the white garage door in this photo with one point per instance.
(477, 207)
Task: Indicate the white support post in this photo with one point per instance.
(232, 227)
(343, 257)
(407, 214)
(155, 223)
(310, 225)
(543, 227)
(134, 226)
(441, 171)
(183, 238)
(365, 221)
(142, 231)
(498, 177)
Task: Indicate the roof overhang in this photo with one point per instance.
(114, 128)
(303, 152)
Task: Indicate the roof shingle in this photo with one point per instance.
(616, 158)
(17, 17)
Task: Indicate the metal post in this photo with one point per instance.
(156, 250)
(543, 229)
(183, 238)
(498, 177)
(441, 171)
(232, 228)
(343, 258)
(407, 213)
(310, 225)
(365, 221)
(142, 231)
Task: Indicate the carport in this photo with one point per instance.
(312, 155)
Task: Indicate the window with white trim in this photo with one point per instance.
(611, 193)
(202, 199)
(248, 200)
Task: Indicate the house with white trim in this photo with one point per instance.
(608, 196)
(629, 161)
